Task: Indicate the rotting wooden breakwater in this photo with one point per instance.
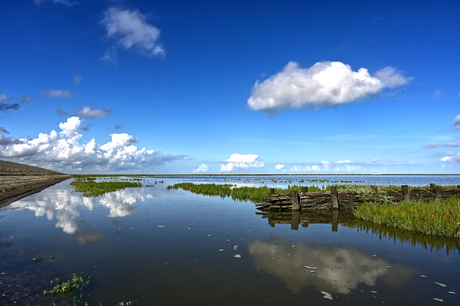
(346, 200)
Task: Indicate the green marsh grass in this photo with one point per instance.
(90, 188)
(253, 194)
(433, 218)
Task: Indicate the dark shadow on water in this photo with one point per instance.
(345, 218)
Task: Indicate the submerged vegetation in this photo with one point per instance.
(70, 289)
(433, 218)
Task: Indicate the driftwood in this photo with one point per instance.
(347, 200)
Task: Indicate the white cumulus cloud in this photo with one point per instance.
(202, 168)
(239, 161)
(278, 167)
(131, 30)
(323, 84)
(63, 151)
(451, 157)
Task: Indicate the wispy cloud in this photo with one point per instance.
(323, 84)
(456, 120)
(64, 2)
(238, 161)
(90, 113)
(7, 103)
(87, 112)
(7, 140)
(77, 79)
(130, 30)
(437, 93)
(64, 151)
(56, 93)
(447, 144)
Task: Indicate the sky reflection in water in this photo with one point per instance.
(174, 248)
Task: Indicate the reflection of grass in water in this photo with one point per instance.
(90, 188)
(428, 242)
(434, 218)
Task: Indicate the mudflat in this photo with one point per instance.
(19, 180)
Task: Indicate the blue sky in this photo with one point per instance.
(231, 86)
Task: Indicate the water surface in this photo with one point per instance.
(162, 247)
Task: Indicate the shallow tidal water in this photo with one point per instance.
(160, 247)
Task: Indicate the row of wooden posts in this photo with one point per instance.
(278, 201)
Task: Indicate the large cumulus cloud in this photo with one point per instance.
(323, 84)
(64, 151)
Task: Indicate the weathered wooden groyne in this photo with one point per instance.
(345, 200)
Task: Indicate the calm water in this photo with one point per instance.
(162, 247)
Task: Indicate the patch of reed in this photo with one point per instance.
(433, 218)
(90, 188)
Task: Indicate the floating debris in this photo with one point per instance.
(438, 300)
(221, 250)
(387, 266)
(237, 256)
(326, 295)
(440, 284)
(423, 276)
(161, 226)
(308, 267)
(293, 246)
(235, 247)
(373, 291)
(451, 292)
(313, 271)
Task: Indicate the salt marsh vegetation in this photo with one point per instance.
(433, 217)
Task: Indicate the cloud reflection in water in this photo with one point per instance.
(339, 270)
(65, 206)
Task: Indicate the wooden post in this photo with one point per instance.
(335, 220)
(405, 190)
(272, 190)
(303, 190)
(437, 193)
(295, 198)
(335, 200)
(432, 186)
